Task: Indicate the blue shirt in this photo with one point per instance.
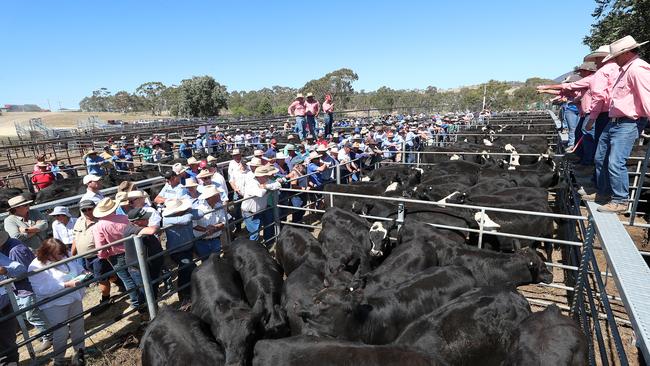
(185, 151)
(19, 252)
(94, 165)
(14, 269)
(182, 232)
(316, 178)
(168, 192)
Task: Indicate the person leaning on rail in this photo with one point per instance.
(27, 225)
(629, 110)
(57, 311)
(256, 201)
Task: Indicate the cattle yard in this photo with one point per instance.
(598, 269)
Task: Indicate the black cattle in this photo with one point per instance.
(218, 299)
(6, 194)
(380, 317)
(488, 268)
(61, 189)
(299, 288)
(262, 279)
(349, 241)
(488, 187)
(521, 177)
(404, 261)
(473, 329)
(313, 351)
(294, 246)
(547, 338)
(180, 338)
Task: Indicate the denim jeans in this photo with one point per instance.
(155, 270)
(204, 247)
(257, 221)
(300, 127)
(297, 201)
(184, 258)
(615, 145)
(571, 119)
(311, 122)
(135, 296)
(329, 120)
(34, 316)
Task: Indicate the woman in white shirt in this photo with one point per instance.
(59, 310)
(63, 225)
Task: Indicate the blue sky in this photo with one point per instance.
(62, 50)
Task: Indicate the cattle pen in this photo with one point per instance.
(601, 278)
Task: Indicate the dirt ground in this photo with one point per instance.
(62, 119)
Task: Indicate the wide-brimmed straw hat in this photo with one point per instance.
(258, 153)
(18, 201)
(310, 95)
(176, 205)
(136, 194)
(621, 46)
(601, 51)
(587, 66)
(265, 171)
(105, 207)
(178, 168)
(122, 198)
(126, 186)
(321, 149)
(190, 182)
(235, 152)
(204, 174)
(210, 191)
(255, 162)
(211, 159)
(192, 160)
(299, 95)
(41, 164)
(314, 155)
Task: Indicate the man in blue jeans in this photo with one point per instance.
(255, 204)
(628, 112)
(139, 217)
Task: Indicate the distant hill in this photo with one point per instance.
(23, 108)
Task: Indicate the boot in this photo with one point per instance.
(102, 306)
(79, 358)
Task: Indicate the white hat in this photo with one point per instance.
(210, 191)
(258, 153)
(299, 95)
(265, 171)
(60, 210)
(178, 168)
(314, 155)
(122, 198)
(211, 159)
(105, 207)
(136, 194)
(190, 182)
(280, 156)
(19, 200)
(602, 51)
(255, 162)
(192, 160)
(321, 148)
(621, 46)
(91, 178)
(235, 152)
(334, 150)
(204, 174)
(176, 205)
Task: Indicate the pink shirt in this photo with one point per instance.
(631, 92)
(583, 86)
(297, 108)
(107, 230)
(328, 107)
(312, 107)
(601, 88)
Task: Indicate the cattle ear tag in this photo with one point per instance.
(352, 288)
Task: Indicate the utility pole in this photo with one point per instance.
(484, 93)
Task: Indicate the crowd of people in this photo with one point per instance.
(188, 217)
(605, 108)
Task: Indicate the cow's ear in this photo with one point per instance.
(362, 311)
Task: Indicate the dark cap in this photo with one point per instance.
(169, 174)
(86, 204)
(139, 214)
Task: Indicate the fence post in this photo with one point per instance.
(403, 152)
(639, 186)
(276, 212)
(338, 173)
(144, 272)
(400, 215)
(480, 232)
(21, 319)
(417, 156)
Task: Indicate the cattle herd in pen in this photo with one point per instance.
(414, 289)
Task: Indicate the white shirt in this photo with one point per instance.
(64, 232)
(233, 167)
(49, 282)
(258, 198)
(155, 218)
(219, 181)
(209, 219)
(92, 196)
(343, 157)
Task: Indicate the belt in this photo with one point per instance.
(623, 119)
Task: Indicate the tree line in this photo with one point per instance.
(203, 96)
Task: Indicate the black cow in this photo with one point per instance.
(262, 280)
(473, 329)
(313, 351)
(218, 299)
(295, 246)
(488, 268)
(180, 338)
(379, 318)
(547, 338)
(61, 189)
(349, 241)
(7, 193)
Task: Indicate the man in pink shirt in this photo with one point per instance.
(298, 109)
(313, 109)
(109, 228)
(629, 109)
(328, 108)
